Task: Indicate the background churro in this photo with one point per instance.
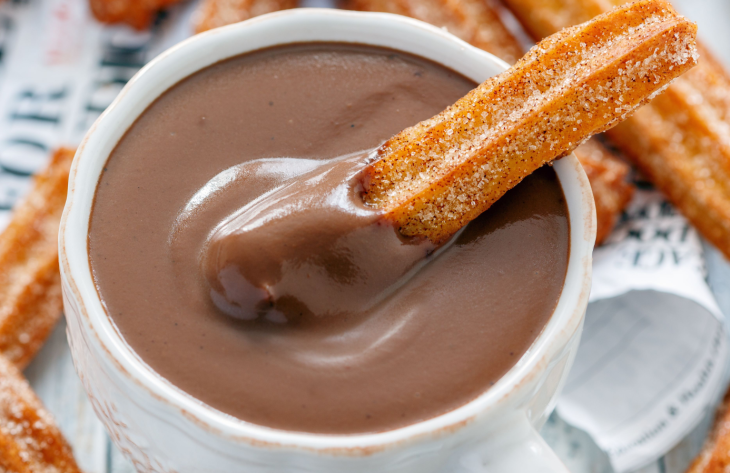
(30, 306)
(30, 286)
(680, 140)
(431, 179)
(136, 13)
(30, 442)
(608, 177)
(215, 13)
(474, 21)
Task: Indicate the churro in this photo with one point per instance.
(30, 442)
(680, 140)
(540, 18)
(136, 13)
(215, 13)
(30, 285)
(471, 20)
(477, 23)
(433, 178)
(608, 177)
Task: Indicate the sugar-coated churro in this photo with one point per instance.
(136, 13)
(30, 442)
(471, 20)
(30, 285)
(433, 178)
(477, 23)
(681, 140)
(215, 13)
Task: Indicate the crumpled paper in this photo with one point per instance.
(653, 352)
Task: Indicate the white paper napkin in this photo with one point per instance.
(653, 351)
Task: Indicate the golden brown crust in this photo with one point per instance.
(471, 20)
(215, 13)
(136, 13)
(681, 140)
(433, 178)
(30, 442)
(611, 191)
(477, 23)
(541, 18)
(30, 286)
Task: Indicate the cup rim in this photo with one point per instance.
(158, 75)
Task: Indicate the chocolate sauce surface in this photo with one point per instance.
(310, 250)
(242, 130)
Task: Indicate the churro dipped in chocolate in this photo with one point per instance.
(215, 13)
(679, 140)
(30, 442)
(433, 178)
(372, 223)
(477, 23)
(30, 282)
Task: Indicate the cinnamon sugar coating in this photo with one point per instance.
(215, 13)
(433, 178)
(681, 140)
(30, 281)
(30, 442)
(136, 13)
(471, 20)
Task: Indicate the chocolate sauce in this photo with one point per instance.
(310, 250)
(398, 351)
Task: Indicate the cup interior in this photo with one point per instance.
(295, 26)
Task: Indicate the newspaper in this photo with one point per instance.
(652, 358)
(653, 351)
(59, 69)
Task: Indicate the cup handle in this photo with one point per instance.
(520, 448)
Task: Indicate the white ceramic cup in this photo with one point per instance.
(162, 429)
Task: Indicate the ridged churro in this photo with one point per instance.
(681, 140)
(215, 13)
(433, 178)
(136, 13)
(30, 442)
(471, 20)
(477, 23)
(541, 18)
(30, 285)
